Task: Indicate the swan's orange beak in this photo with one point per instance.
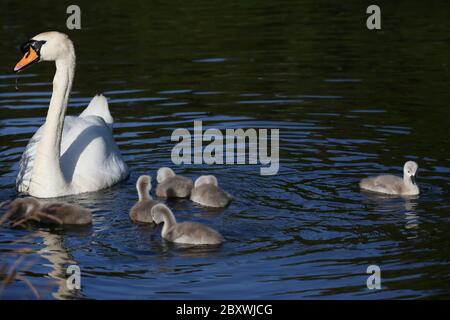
(28, 59)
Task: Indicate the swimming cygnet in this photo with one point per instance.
(394, 185)
(172, 185)
(24, 209)
(141, 211)
(184, 232)
(208, 193)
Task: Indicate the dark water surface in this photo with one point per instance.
(349, 102)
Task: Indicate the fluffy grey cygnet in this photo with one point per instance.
(184, 232)
(141, 211)
(389, 184)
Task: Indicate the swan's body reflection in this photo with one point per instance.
(60, 258)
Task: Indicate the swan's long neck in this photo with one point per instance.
(62, 84)
(47, 177)
(169, 222)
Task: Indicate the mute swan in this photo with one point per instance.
(141, 211)
(208, 193)
(24, 209)
(67, 155)
(394, 185)
(171, 185)
(184, 232)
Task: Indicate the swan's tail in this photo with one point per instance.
(98, 107)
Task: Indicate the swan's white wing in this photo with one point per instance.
(99, 107)
(90, 159)
(26, 162)
(384, 184)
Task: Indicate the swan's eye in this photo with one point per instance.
(25, 47)
(35, 44)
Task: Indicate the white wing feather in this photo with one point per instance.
(98, 107)
(90, 157)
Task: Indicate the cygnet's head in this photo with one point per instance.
(23, 206)
(144, 184)
(410, 171)
(164, 173)
(47, 46)
(31, 204)
(209, 179)
(159, 211)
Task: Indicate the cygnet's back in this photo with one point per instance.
(388, 184)
(193, 233)
(207, 192)
(172, 185)
(68, 214)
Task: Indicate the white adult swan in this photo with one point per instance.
(67, 155)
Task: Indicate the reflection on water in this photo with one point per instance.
(412, 218)
(348, 103)
(58, 258)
